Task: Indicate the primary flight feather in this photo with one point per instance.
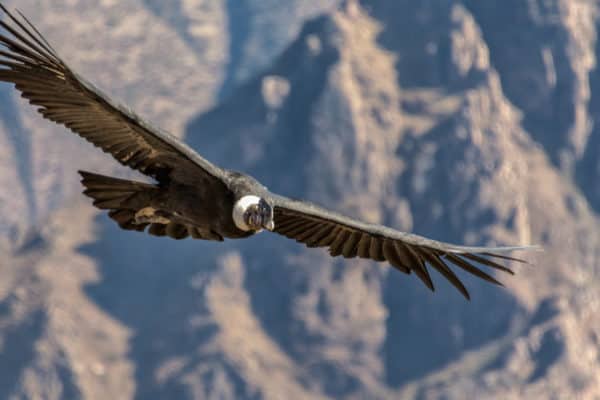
(193, 197)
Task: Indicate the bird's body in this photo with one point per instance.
(175, 209)
(191, 197)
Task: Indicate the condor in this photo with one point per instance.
(193, 197)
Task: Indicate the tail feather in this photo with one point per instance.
(122, 197)
(112, 193)
(129, 202)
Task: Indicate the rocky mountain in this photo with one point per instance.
(469, 122)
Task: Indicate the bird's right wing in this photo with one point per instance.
(318, 227)
(29, 62)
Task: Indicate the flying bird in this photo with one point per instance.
(192, 197)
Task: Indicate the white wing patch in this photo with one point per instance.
(148, 215)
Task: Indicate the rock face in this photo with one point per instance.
(464, 121)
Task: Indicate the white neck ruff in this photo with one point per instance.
(239, 209)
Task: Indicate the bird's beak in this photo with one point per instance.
(269, 225)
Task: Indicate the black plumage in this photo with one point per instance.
(192, 197)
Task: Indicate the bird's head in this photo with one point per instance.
(251, 213)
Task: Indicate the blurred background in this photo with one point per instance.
(467, 121)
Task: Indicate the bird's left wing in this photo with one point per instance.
(29, 62)
(317, 227)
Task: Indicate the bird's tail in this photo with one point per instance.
(123, 198)
(131, 206)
